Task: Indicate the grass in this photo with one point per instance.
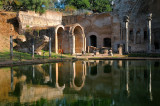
(17, 56)
(144, 55)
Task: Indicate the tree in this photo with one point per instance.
(94, 5)
(34, 5)
(101, 5)
(79, 4)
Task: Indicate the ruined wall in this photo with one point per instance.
(32, 19)
(138, 11)
(104, 25)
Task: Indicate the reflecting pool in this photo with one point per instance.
(82, 83)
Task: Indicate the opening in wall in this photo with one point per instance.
(107, 42)
(93, 40)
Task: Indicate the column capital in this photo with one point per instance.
(126, 18)
(149, 16)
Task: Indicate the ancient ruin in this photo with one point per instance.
(136, 32)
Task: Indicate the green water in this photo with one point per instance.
(82, 83)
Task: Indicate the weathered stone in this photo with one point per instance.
(31, 19)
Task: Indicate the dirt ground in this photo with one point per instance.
(8, 26)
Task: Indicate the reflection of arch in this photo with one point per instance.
(79, 38)
(107, 42)
(57, 84)
(59, 33)
(73, 85)
(93, 40)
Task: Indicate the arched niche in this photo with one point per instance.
(59, 37)
(79, 37)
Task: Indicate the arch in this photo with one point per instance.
(78, 37)
(107, 42)
(59, 33)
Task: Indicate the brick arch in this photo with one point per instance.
(59, 35)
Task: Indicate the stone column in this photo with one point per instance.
(149, 19)
(73, 45)
(56, 44)
(126, 20)
(11, 47)
(85, 44)
(50, 46)
(32, 48)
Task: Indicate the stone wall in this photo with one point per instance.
(138, 11)
(32, 19)
(104, 25)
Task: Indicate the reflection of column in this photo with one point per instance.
(33, 69)
(57, 84)
(84, 68)
(127, 77)
(74, 71)
(150, 81)
(135, 75)
(149, 19)
(126, 20)
(50, 72)
(12, 80)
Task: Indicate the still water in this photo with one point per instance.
(82, 83)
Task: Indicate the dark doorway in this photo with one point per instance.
(145, 36)
(156, 44)
(156, 40)
(131, 37)
(107, 42)
(93, 40)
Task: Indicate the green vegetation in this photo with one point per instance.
(94, 5)
(18, 56)
(35, 5)
(42, 5)
(143, 55)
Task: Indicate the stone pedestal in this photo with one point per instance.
(120, 49)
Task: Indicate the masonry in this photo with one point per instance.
(101, 30)
(65, 39)
(75, 34)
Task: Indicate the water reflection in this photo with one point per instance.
(87, 82)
